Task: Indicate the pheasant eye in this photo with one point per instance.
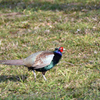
(61, 49)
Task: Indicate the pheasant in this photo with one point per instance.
(40, 61)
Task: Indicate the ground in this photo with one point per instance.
(29, 26)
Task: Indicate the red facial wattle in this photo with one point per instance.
(61, 49)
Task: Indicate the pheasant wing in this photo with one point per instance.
(43, 59)
(30, 60)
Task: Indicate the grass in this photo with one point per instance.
(28, 26)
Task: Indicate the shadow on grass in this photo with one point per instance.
(47, 5)
(13, 78)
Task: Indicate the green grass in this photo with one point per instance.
(29, 26)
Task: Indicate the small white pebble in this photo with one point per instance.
(95, 52)
(78, 30)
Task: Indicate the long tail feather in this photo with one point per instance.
(12, 62)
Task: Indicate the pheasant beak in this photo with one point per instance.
(64, 49)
